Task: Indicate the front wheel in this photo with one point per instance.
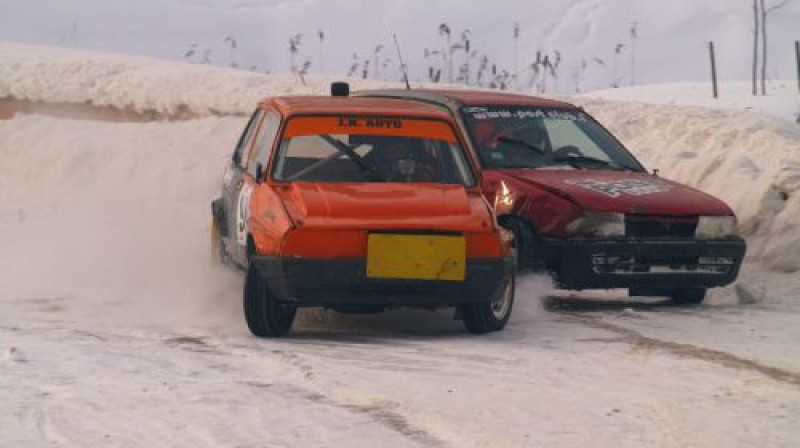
(527, 251)
(266, 316)
(484, 317)
(688, 296)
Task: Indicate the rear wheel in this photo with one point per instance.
(688, 296)
(266, 317)
(480, 318)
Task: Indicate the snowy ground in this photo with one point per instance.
(117, 330)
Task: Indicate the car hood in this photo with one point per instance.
(387, 206)
(622, 192)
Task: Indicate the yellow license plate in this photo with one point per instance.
(417, 257)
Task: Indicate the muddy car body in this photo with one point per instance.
(360, 204)
(582, 207)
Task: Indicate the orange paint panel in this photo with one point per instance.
(484, 245)
(366, 125)
(325, 244)
(353, 243)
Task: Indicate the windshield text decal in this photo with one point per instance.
(523, 114)
(371, 122)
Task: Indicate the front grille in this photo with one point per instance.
(605, 264)
(650, 226)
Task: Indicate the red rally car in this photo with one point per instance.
(581, 207)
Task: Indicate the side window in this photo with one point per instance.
(247, 136)
(264, 142)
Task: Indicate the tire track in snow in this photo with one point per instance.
(682, 350)
(379, 411)
(383, 414)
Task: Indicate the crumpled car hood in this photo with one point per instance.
(622, 192)
(387, 206)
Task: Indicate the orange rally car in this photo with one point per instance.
(358, 205)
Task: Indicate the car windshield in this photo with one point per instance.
(370, 149)
(534, 137)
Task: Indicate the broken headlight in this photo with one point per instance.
(711, 227)
(598, 224)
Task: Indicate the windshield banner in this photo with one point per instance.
(483, 113)
(369, 125)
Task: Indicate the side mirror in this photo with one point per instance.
(259, 172)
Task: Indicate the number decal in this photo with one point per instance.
(243, 213)
(616, 188)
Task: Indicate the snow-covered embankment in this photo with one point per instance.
(750, 161)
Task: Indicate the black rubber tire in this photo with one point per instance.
(481, 318)
(266, 317)
(528, 254)
(688, 296)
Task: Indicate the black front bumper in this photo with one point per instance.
(333, 282)
(634, 263)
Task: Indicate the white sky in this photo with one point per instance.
(671, 46)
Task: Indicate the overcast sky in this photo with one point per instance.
(671, 44)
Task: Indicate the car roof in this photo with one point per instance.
(468, 97)
(310, 105)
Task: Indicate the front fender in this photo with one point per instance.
(269, 221)
(545, 211)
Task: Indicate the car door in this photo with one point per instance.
(254, 169)
(233, 186)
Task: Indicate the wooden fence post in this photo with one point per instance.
(713, 69)
(797, 57)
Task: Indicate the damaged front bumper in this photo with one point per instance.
(634, 263)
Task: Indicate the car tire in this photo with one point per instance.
(266, 317)
(688, 296)
(485, 317)
(527, 252)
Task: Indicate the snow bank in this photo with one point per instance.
(751, 161)
(37, 73)
(118, 215)
(782, 99)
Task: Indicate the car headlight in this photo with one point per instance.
(598, 224)
(710, 227)
(503, 200)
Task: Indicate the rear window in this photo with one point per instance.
(370, 149)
